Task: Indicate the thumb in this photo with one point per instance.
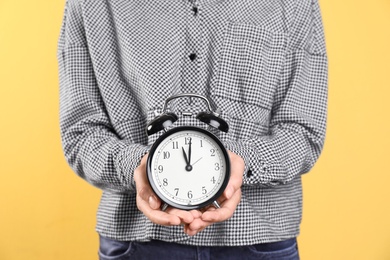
(148, 196)
(144, 191)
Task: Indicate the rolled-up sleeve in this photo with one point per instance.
(298, 116)
(91, 146)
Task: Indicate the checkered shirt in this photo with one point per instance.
(263, 63)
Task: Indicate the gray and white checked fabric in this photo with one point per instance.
(263, 63)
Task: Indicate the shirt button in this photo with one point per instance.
(195, 10)
(192, 56)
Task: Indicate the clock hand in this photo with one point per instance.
(188, 166)
(185, 157)
(189, 153)
(196, 161)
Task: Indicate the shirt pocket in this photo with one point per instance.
(250, 64)
(245, 121)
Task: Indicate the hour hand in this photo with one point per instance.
(188, 165)
(185, 156)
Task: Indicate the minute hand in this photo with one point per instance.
(188, 166)
(189, 153)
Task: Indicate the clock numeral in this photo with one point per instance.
(175, 145)
(189, 195)
(201, 143)
(160, 169)
(177, 191)
(217, 167)
(188, 140)
(213, 180)
(166, 155)
(204, 191)
(165, 182)
(212, 151)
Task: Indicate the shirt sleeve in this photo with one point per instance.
(91, 146)
(298, 116)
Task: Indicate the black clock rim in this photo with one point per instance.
(153, 185)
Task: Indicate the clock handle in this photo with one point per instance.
(167, 119)
(209, 117)
(186, 95)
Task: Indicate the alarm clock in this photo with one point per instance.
(188, 167)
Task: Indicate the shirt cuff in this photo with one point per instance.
(255, 166)
(127, 161)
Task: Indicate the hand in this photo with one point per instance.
(149, 204)
(228, 201)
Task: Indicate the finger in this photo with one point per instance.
(144, 190)
(195, 227)
(198, 224)
(229, 191)
(233, 185)
(225, 212)
(236, 176)
(196, 213)
(147, 195)
(147, 202)
(186, 217)
(191, 232)
(157, 216)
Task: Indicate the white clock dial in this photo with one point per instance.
(188, 168)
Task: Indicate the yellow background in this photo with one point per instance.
(47, 212)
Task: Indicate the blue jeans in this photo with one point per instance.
(120, 250)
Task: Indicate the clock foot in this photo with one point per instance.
(216, 205)
(164, 207)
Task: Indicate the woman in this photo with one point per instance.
(263, 63)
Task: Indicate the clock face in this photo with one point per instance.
(188, 168)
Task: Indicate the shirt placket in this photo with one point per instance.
(192, 54)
